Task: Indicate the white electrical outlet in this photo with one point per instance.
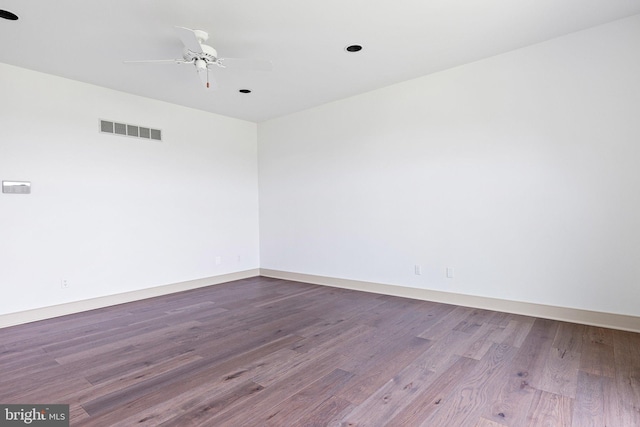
(449, 272)
(218, 260)
(417, 270)
(64, 283)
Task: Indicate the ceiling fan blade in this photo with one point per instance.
(189, 39)
(247, 64)
(158, 61)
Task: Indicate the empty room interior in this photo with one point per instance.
(280, 213)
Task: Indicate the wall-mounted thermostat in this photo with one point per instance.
(16, 187)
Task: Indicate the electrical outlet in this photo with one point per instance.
(64, 283)
(417, 270)
(218, 260)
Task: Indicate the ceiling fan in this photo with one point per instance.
(203, 56)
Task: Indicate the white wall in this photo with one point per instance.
(114, 214)
(521, 171)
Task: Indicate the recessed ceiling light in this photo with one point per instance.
(245, 91)
(8, 15)
(353, 48)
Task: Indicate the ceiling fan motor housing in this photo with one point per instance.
(208, 54)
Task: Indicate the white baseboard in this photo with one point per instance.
(21, 317)
(586, 317)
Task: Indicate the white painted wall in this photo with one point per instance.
(114, 214)
(521, 171)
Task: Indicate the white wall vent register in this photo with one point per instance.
(16, 187)
(125, 129)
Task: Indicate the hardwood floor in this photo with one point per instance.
(268, 352)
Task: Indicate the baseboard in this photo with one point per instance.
(586, 317)
(21, 317)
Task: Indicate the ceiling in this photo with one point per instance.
(305, 40)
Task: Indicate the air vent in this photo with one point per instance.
(121, 128)
(126, 129)
(132, 130)
(16, 187)
(144, 133)
(106, 126)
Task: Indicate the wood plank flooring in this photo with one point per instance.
(269, 352)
